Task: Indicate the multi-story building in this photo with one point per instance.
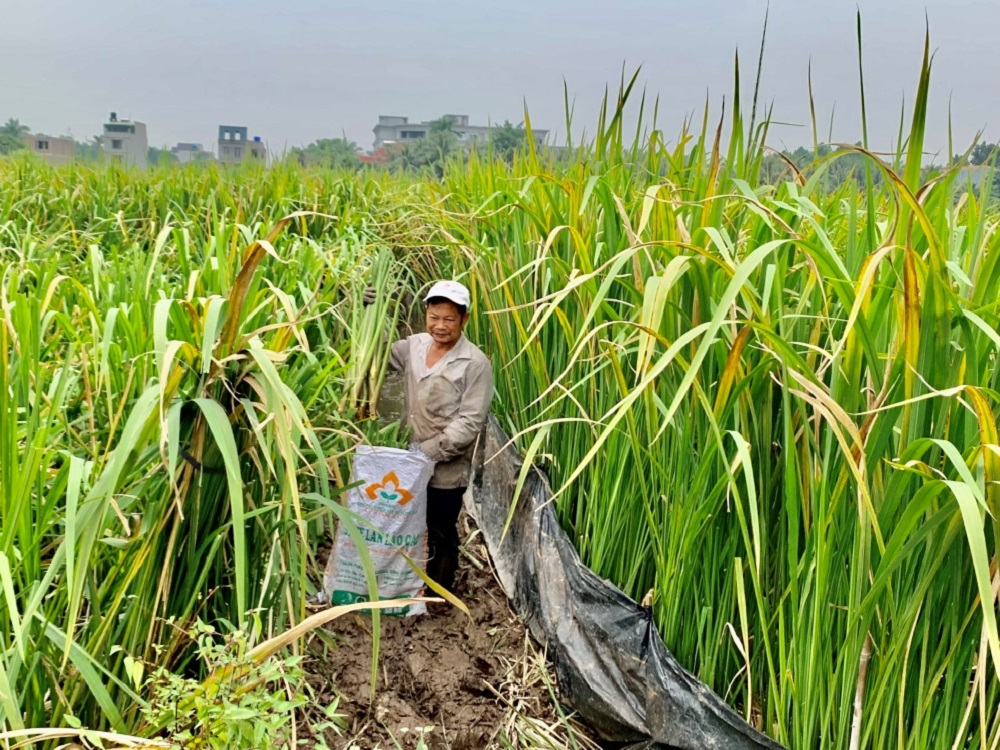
(392, 130)
(235, 147)
(188, 152)
(125, 141)
(54, 150)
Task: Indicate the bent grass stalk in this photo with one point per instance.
(156, 461)
(836, 337)
(771, 406)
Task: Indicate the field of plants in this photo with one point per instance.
(768, 405)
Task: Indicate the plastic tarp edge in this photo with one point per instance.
(610, 661)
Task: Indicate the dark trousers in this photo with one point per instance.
(443, 507)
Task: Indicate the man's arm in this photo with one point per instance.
(399, 354)
(472, 415)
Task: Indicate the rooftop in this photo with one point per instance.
(114, 118)
(392, 129)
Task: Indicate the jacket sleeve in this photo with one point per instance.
(399, 354)
(472, 414)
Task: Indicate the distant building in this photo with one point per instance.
(392, 130)
(235, 148)
(125, 141)
(188, 152)
(55, 151)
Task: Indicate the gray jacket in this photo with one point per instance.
(445, 406)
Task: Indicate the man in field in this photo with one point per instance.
(448, 390)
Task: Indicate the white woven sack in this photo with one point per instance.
(392, 498)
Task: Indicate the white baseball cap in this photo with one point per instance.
(450, 290)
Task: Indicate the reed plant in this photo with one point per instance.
(172, 363)
(767, 408)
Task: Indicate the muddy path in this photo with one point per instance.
(457, 683)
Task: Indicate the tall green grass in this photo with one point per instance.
(173, 361)
(770, 403)
(773, 406)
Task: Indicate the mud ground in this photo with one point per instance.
(460, 684)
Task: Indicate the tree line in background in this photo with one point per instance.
(844, 163)
(431, 153)
(428, 154)
(10, 135)
(840, 164)
(984, 155)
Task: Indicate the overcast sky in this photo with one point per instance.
(297, 70)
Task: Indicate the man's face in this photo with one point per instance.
(445, 323)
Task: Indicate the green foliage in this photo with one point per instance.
(160, 156)
(89, 152)
(766, 395)
(982, 153)
(391, 435)
(506, 140)
(983, 160)
(332, 724)
(247, 705)
(329, 153)
(169, 391)
(443, 125)
(371, 327)
(771, 406)
(10, 143)
(429, 155)
(838, 165)
(14, 128)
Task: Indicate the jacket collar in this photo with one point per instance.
(461, 350)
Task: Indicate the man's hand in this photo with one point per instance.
(428, 448)
(369, 296)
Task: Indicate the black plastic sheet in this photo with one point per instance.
(609, 659)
